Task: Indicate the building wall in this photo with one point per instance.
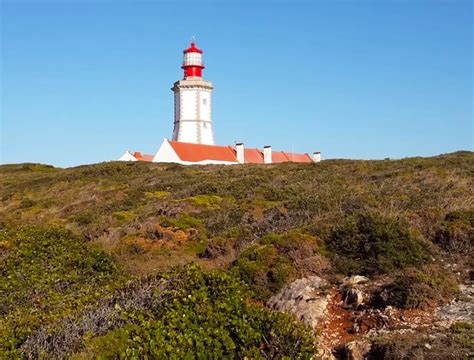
(193, 109)
(166, 153)
(127, 156)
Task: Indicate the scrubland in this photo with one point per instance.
(136, 260)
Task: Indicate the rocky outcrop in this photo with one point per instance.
(353, 297)
(356, 350)
(460, 309)
(305, 298)
(352, 290)
(355, 280)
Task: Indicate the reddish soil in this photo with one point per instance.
(345, 324)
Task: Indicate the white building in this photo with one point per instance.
(193, 136)
(203, 154)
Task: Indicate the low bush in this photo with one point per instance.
(456, 343)
(206, 315)
(275, 261)
(46, 273)
(216, 247)
(423, 288)
(122, 217)
(456, 233)
(371, 244)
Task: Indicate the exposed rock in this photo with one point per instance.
(305, 298)
(460, 309)
(355, 279)
(353, 297)
(356, 350)
(323, 354)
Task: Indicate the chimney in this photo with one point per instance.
(239, 149)
(267, 154)
(317, 156)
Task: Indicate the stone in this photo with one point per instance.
(461, 309)
(323, 354)
(305, 298)
(353, 297)
(356, 350)
(355, 279)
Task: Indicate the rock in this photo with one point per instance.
(305, 298)
(461, 309)
(323, 354)
(353, 297)
(356, 350)
(355, 279)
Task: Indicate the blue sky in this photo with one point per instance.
(82, 81)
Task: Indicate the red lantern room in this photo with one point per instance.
(192, 61)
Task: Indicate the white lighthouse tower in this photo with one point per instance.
(192, 101)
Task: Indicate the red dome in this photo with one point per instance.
(193, 48)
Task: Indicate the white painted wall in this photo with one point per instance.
(166, 154)
(127, 156)
(205, 106)
(240, 152)
(267, 155)
(188, 109)
(193, 112)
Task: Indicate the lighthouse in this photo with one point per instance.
(192, 101)
(193, 138)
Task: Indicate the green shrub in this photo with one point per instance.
(46, 273)
(423, 288)
(272, 263)
(371, 244)
(27, 203)
(186, 222)
(85, 218)
(206, 316)
(157, 194)
(216, 247)
(456, 233)
(210, 202)
(123, 217)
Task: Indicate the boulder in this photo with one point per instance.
(356, 350)
(355, 279)
(323, 354)
(305, 298)
(353, 297)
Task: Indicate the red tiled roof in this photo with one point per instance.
(253, 156)
(148, 157)
(298, 157)
(199, 152)
(279, 157)
(142, 157)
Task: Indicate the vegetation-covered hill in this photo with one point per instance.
(93, 258)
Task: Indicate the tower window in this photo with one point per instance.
(204, 101)
(204, 125)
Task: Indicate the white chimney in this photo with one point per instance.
(239, 149)
(317, 156)
(267, 154)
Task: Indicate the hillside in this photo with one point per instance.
(123, 260)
